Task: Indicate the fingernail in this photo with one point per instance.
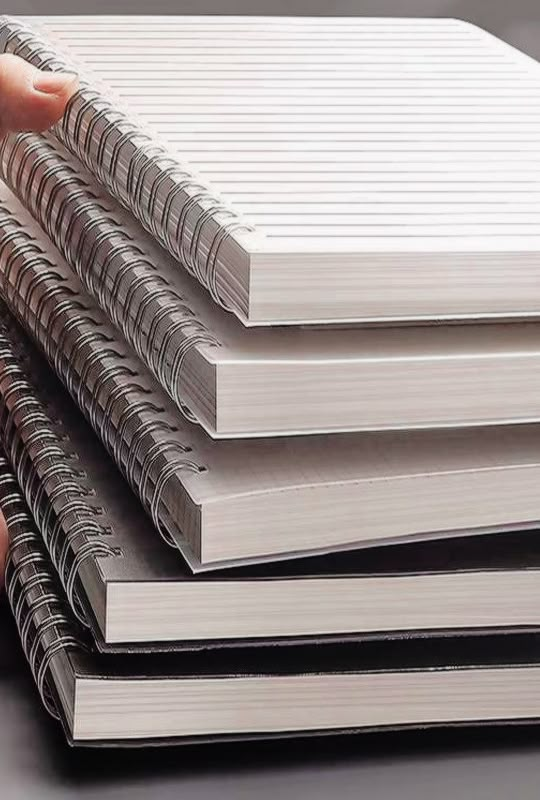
(53, 82)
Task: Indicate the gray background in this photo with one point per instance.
(517, 21)
(473, 765)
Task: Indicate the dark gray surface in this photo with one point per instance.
(473, 765)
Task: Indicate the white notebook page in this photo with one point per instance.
(335, 128)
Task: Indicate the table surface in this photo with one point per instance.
(35, 762)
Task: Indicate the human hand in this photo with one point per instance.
(30, 100)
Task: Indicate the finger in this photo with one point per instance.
(31, 100)
(3, 548)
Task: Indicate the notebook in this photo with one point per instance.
(239, 382)
(266, 692)
(134, 592)
(314, 170)
(234, 502)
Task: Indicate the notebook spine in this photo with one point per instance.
(169, 200)
(42, 616)
(73, 527)
(157, 322)
(130, 416)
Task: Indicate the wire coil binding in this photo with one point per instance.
(157, 322)
(43, 619)
(130, 417)
(137, 170)
(60, 502)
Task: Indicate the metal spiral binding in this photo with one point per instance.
(108, 386)
(101, 252)
(51, 484)
(43, 619)
(152, 174)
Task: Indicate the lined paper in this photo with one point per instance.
(355, 170)
(300, 123)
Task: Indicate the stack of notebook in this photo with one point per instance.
(270, 377)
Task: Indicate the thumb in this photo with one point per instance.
(31, 100)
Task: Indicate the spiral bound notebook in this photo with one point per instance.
(300, 167)
(226, 503)
(243, 383)
(131, 590)
(249, 694)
